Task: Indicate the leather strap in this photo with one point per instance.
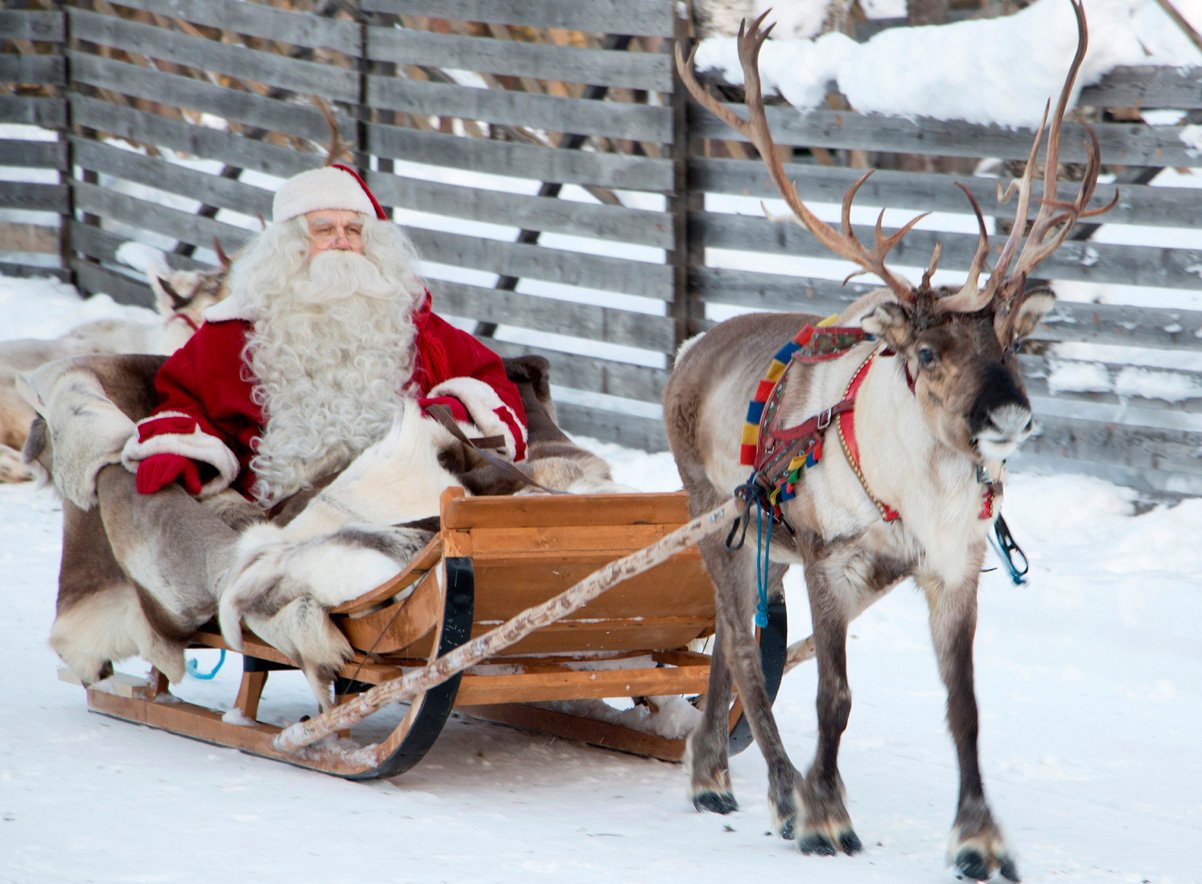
(482, 444)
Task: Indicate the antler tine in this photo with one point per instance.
(222, 257)
(1055, 218)
(970, 298)
(933, 266)
(337, 147)
(845, 245)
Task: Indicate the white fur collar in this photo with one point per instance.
(231, 308)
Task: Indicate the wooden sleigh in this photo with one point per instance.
(494, 558)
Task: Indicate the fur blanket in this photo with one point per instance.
(140, 573)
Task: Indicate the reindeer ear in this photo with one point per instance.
(891, 323)
(1034, 307)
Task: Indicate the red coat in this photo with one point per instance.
(205, 410)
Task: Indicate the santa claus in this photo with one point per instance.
(326, 329)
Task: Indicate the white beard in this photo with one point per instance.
(330, 353)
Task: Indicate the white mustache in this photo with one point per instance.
(336, 275)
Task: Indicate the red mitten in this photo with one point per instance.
(458, 411)
(160, 470)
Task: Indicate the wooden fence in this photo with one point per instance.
(569, 200)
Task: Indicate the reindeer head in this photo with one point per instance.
(958, 346)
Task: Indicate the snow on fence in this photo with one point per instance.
(569, 200)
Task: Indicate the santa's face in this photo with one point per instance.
(334, 229)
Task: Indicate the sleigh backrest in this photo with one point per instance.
(524, 550)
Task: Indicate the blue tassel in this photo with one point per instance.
(762, 546)
(194, 668)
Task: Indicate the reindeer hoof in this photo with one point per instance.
(971, 863)
(849, 843)
(816, 845)
(716, 802)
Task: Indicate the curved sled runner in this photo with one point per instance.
(494, 558)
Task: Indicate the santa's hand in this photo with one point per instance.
(457, 409)
(160, 470)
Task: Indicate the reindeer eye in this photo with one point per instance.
(1016, 346)
(926, 357)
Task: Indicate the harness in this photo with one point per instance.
(779, 456)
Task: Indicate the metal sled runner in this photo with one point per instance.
(494, 558)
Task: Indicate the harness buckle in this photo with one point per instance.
(824, 418)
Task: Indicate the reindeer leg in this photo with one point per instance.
(827, 828)
(734, 582)
(707, 755)
(976, 847)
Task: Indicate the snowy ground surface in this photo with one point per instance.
(1089, 682)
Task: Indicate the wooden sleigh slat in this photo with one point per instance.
(493, 559)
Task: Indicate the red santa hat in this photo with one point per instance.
(330, 187)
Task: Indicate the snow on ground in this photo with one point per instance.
(1089, 683)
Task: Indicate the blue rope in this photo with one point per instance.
(763, 543)
(194, 668)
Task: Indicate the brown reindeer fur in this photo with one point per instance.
(137, 571)
(552, 460)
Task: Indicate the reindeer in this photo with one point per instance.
(181, 297)
(927, 402)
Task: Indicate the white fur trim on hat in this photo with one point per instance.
(197, 445)
(324, 188)
(483, 406)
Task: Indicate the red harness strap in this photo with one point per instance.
(847, 438)
(188, 319)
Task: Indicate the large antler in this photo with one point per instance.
(845, 244)
(338, 147)
(1055, 218)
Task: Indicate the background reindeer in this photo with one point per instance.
(932, 405)
(181, 296)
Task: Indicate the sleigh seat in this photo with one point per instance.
(493, 558)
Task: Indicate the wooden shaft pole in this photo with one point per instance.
(304, 733)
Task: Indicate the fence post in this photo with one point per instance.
(680, 201)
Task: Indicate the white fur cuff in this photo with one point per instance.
(485, 408)
(197, 445)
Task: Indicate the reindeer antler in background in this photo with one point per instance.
(338, 148)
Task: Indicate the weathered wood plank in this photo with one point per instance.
(44, 69)
(1146, 87)
(520, 160)
(33, 154)
(1158, 266)
(642, 433)
(538, 262)
(301, 119)
(94, 280)
(101, 245)
(43, 197)
(1112, 442)
(1138, 204)
(594, 375)
(304, 77)
(553, 113)
(25, 271)
(1162, 328)
(259, 20)
(602, 67)
(49, 113)
(1158, 481)
(164, 221)
(546, 214)
(199, 141)
(1038, 370)
(18, 236)
(651, 18)
(210, 189)
(32, 24)
(557, 317)
(1122, 143)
